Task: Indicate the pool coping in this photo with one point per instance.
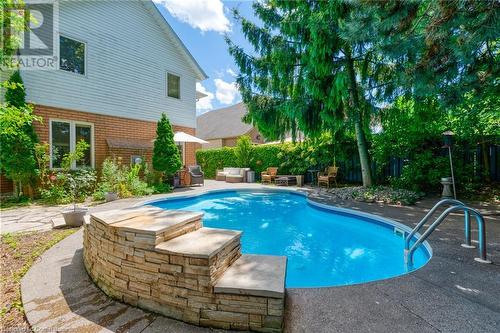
(368, 217)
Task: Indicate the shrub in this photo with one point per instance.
(289, 158)
(17, 136)
(243, 151)
(66, 185)
(166, 155)
(124, 180)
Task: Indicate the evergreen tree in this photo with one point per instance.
(304, 74)
(15, 94)
(166, 156)
(17, 135)
(436, 48)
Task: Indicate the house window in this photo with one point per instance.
(71, 55)
(64, 135)
(173, 86)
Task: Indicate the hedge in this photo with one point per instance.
(263, 156)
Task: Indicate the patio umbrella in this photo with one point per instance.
(182, 137)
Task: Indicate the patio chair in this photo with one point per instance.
(329, 176)
(197, 176)
(267, 177)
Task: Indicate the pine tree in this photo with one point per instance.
(303, 74)
(166, 156)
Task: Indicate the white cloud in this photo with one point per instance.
(206, 15)
(204, 104)
(225, 92)
(231, 72)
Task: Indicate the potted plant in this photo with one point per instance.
(75, 216)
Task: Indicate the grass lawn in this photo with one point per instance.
(18, 252)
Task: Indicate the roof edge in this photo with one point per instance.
(150, 4)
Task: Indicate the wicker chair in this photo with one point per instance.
(197, 176)
(329, 176)
(267, 177)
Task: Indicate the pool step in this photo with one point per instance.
(254, 275)
(216, 248)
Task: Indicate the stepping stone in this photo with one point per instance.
(254, 275)
(202, 243)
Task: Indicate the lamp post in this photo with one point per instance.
(448, 141)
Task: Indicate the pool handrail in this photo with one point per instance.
(408, 252)
(427, 216)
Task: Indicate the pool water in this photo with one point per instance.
(324, 247)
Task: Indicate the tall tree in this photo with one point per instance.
(445, 49)
(166, 156)
(17, 136)
(303, 74)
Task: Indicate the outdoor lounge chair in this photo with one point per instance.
(197, 176)
(328, 177)
(267, 177)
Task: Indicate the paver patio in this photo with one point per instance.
(452, 293)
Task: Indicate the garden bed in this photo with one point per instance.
(18, 252)
(376, 194)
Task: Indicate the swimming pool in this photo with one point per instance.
(324, 247)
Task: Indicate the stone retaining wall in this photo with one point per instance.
(126, 266)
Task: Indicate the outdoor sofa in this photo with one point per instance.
(232, 175)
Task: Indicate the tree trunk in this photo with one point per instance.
(358, 125)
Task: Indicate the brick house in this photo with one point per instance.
(223, 127)
(120, 66)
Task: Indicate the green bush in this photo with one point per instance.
(243, 152)
(122, 179)
(166, 155)
(289, 158)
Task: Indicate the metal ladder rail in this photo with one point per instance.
(427, 216)
(481, 233)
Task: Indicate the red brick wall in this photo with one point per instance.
(108, 127)
(105, 127)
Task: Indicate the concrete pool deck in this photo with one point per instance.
(452, 293)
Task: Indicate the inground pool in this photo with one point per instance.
(325, 246)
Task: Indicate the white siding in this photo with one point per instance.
(127, 56)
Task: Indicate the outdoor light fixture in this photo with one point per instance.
(448, 141)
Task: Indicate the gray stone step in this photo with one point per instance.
(146, 219)
(254, 275)
(202, 243)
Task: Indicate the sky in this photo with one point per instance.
(202, 25)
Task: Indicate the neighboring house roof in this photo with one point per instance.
(223, 123)
(151, 6)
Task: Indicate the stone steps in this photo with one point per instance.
(254, 275)
(167, 262)
(215, 249)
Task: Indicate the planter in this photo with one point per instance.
(75, 217)
(110, 196)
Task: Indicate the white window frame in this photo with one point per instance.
(72, 139)
(180, 85)
(84, 55)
